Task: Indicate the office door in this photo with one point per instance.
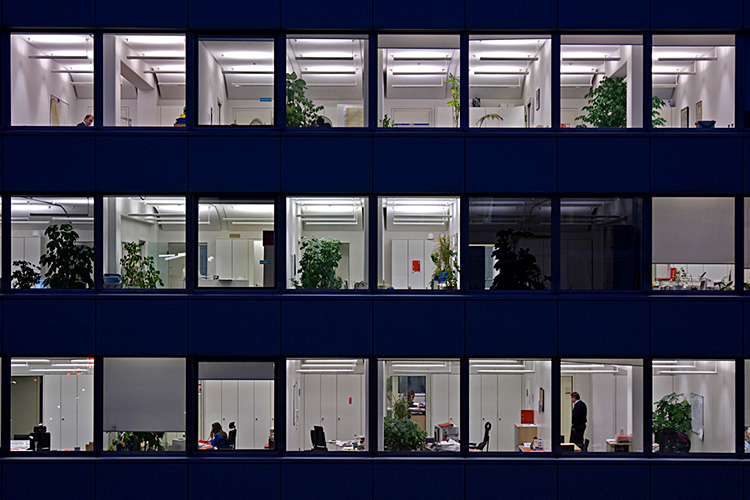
(509, 392)
(348, 407)
(68, 439)
(228, 403)
(25, 404)
(211, 405)
(263, 412)
(400, 267)
(310, 408)
(566, 387)
(489, 411)
(85, 420)
(245, 414)
(328, 405)
(51, 409)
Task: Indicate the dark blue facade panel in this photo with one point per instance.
(700, 164)
(231, 481)
(692, 14)
(705, 481)
(604, 328)
(234, 327)
(321, 327)
(234, 164)
(317, 481)
(511, 328)
(44, 326)
(326, 165)
(507, 481)
(632, 481)
(603, 14)
(166, 481)
(746, 326)
(419, 328)
(326, 14)
(166, 14)
(419, 165)
(602, 165)
(231, 15)
(511, 165)
(49, 163)
(63, 481)
(512, 14)
(680, 328)
(160, 166)
(388, 479)
(419, 14)
(131, 327)
(44, 13)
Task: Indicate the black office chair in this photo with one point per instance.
(318, 436)
(232, 436)
(585, 446)
(485, 442)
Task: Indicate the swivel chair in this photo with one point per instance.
(232, 436)
(585, 446)
(485, 442)
(318, 437)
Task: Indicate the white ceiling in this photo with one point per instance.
(333, 68)
(52, 366)
(499, 67)
(70, 53)
(40, 211)
(164, 55)
(247, 66)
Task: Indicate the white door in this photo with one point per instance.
(400, 267)
(211, 405)
(566, 387)
(416, 271)
(85, 419)
(476, 417)
(509, 392)
(228, 403)
(349, 405)
(310, 407)
(68, 412)
(224, 258)
(489, 414)
(328, 405)
(256, 256)
(439, 401)
(241, 259)
(51, 411)
(263, 412)
(245, 414)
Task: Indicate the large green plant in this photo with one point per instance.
(607, 106)
(138, 441)
(138, 271)
(26, 276)
(454, 85)
(445, 259)
(400, 432)
(320, 258)
(68, 265)
(517, 267)
(300, 111)
(673, 414)
(656, 119)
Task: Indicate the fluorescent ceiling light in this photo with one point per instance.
(57, 39)
(508, 58)
(325, 370)
(505, 371)
(161, 57)
(686, 372)
(72, 364)
(29, 360)
(330, 72)
(74, 71)
(417, 86)
(576, 365)
(418, 365)
(154, 39)
(245, 55)
(333, 56)
(486, 72)
(687, 59)
(76, 56)
(674, 72)
(331, 361)
(326, 365)
(59, 370)
(590, 371)
(421, 57)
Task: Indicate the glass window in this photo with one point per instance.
(419, 404)
(235, 81)
(693, 81)
(326, 404)
(602, 405)
(510, 243)
(746, 426)
(235, 243)
(144, 80)
(705, 388)
(509, 404)
(52, 242)
(418, 80)
(144, 242)
(52, 79)
(236, 405)
(327, 242)
(601, 80)
(59, 393)
(326, 81)
(601, 243)
(746, 276)
(144, 404)
(693, 244)
(509, 81)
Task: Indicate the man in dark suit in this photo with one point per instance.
(88, 120)
(578, 421)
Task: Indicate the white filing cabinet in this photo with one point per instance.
(403, 255)
(443, 400)
(248, 403)
(495, 399)
(68, 410)
(235, 259)
(335, 403)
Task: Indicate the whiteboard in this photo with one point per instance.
(696, 402)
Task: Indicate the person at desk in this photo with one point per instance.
(410, 395)
(219, 438)
(578, 420)
(747, 439)
(88, 120)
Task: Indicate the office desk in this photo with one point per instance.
(525, 433)
(522, 448)
(575, 446)
(345, 445)
(611, 443)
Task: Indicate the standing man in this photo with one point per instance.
(88, 120)
(578, 421)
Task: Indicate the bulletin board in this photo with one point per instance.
(696, 402)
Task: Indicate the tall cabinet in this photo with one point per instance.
(333, 402)
(68, 410)
(494, 399)
(247, 403)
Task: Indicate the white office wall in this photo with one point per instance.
(68, 410)
(211, 87)
(539, 77)
(541, 378)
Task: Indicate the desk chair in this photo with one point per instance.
(232, 436)
(485, 442)
(318, 437)
(585, 446)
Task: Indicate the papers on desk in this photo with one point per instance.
(20, 445)
(449, 445)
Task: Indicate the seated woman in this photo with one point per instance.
(219, 438)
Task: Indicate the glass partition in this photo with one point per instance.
(144, 242)
(52, 79)
(52, 242)
(694, 406)
(509, 81)
(326, 404)
(144, 80)
(419, 405)
(236, 405)
(235, 81)
(602, 405)
(693, 244)
(693, 81)
(601, 80)
(509, 405)
(235, 243)
(52, 404)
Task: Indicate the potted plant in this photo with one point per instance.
(68, 265)
(138, 271)
(670, 422)
(320, 258)
(680, 279)
(444, 256)
(517, 268)
(607, 106)
(300, 111)
(137, 441)
(400, 433)
(454, 85)
(26, 276)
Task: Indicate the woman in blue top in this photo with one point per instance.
(219, 438)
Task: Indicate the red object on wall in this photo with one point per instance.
(350, 400)
(416, 265)
(527, 416)
(672, 273)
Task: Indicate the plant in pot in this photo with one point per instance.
(517, 268)
(320, 258)
(137, 441)
(138, 271)
(454, 85)
(300, 111)
(607, 106)
(68, 265)
(26, 276)
(400, 433)
(445, 258)
(671, 421)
